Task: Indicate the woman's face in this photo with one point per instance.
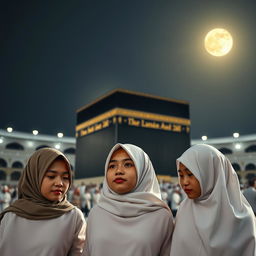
(56, 181)
(189, 182)
(121, 174)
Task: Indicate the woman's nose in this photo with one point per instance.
(58, 182)
(186, 180)
(119, 170)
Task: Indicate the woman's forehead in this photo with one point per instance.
(120, 152)
(183, 167)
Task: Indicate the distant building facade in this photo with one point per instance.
(240, 151)
(17, 147)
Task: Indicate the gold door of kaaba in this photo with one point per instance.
(160, 126)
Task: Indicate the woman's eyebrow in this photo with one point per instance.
(186, 170)
(126, 159)
(52, 171)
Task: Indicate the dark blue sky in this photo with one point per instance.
(57, 56)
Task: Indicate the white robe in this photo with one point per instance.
(220, 222)
(145, 235)
(60, 236)
(138, 223)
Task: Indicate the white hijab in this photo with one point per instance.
(144, 198)
(220, 221)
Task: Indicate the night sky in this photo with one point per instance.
(57, 56)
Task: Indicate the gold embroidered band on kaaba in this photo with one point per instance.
(133, 118)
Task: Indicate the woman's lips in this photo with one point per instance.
(188, 190)
(119, 180)
(57, 192)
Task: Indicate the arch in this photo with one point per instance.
(236, 166)
(3, 163)
(15, 175)
(251, 148)
(42, 146)
(17, 164)
(225, 151)
(14, 146)
(70, 151)
(250, 166)
(2, 175)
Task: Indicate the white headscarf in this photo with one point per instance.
(220, 221)
(144, 198)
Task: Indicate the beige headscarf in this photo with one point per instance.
(31, 204)
(220, 221)
(145, 197)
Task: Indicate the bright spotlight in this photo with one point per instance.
(60, 134)
(235, 134)
(57, 146)
(35, 132)
(9, 129)
(204, 138)
(238, 146)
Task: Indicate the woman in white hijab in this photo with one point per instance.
(130, 219)
(215, 218)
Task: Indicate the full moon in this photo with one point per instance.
(218, 42)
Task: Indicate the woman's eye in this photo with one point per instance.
(128, 165)
(180, 175)
(190, 174)
(112, 166)
(51, 177)
(66, 178)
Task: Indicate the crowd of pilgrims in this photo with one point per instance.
(131, 213)
(86, 196)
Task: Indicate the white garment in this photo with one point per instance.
(176, 200)
(6, 199)
(144, 235)
(96, 198)
(220, 222)
(60, 236)
(164, 196)
(138, 223)
(86, 200)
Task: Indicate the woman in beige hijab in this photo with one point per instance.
(130, 218)
(42, 222)
(215, 219)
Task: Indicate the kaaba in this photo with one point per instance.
(160, 126)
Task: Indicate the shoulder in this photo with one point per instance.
(77, 213)
(9, 217)
(159, 216)
(162, 218)
(166, 216)
(99, 215)
(96, 210)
